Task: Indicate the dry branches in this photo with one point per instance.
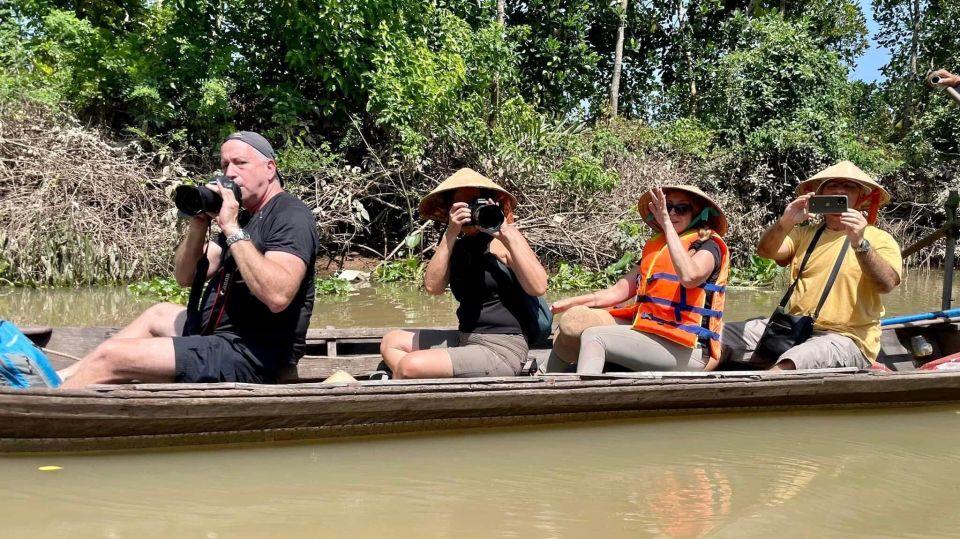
(75, 209)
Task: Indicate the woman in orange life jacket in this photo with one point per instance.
(679, 286)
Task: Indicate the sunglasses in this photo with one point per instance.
(679, 209)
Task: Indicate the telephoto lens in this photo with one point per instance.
(193, 200)
(486, 214)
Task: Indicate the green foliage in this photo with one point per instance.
(759, 272)
(297, 159)
(332, 286)
(629, 236)
(686, 137)
(621, 267)
(585, 173)
(61, 257)
(161, 288)
(404, 270)
(573, 277)
(435, 90)
(750, 96)
(561, 46)
(778, 80)
(19, 77)
(924, 121)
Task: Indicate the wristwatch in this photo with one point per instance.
(863, 247)
(239, 235)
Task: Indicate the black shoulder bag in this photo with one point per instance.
(784, 331)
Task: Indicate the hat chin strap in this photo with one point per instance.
(703, 216)
(874, 198)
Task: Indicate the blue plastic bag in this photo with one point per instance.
(22, 364)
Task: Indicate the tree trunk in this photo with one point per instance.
(618, 61)
(908, 109)
(693, 84)
(495, 90)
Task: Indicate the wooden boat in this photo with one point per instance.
(159, 415)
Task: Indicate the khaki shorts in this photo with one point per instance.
(821, 351)
(477, 354)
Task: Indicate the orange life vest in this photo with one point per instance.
(666, 308)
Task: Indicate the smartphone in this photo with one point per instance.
(821, 204)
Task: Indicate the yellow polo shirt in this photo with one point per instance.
(853, 306)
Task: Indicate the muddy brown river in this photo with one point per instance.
(879, 473)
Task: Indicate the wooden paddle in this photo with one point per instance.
(925, 241)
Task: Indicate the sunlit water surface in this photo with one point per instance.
(891, 473)
(885, 473)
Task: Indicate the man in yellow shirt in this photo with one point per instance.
(847, 331)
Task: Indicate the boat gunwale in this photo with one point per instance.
(548, 382)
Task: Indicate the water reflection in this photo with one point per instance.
(792, 477)
(681, 502)
(94, 306)
(387, 305)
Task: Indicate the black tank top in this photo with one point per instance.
(490, 298)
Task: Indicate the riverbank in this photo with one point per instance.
(80, 207)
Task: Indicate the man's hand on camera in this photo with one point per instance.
(459, 217)
(227, 219)
(854, 223)
(796, 212)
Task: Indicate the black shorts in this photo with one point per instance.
(216, 358)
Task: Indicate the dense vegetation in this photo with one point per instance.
(371, 102)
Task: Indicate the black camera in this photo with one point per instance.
(486, 214)
(193, 200)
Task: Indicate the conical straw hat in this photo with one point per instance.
(436, 205)
(339, 377)
(717, 220)
(844, 170)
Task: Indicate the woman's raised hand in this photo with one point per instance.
(658, 206)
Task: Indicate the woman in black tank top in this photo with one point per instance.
(488, 271)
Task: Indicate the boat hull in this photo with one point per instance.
(140, 416)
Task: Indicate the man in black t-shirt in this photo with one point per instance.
(258, 301)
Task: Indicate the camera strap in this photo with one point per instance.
(194, 324)
(227, 273)
(194, 320)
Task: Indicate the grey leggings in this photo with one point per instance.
(634, 350)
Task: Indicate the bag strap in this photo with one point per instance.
(803, 264)
(833, 276)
